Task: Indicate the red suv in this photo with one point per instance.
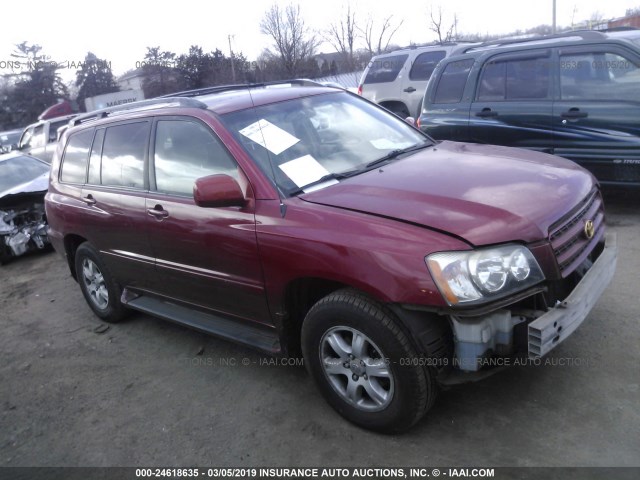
(304, 219)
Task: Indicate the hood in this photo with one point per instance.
(483, 194)
(38, 184)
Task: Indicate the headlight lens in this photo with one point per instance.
(483, 275)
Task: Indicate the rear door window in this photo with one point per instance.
(518, 79)
(76, 154)
(425, 64)
(123, 155)
(452, 81)
(385, 69)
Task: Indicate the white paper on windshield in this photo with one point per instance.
(270, 136)
(386, 144)
(305, 170)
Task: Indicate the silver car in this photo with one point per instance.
(398, 80)
(40, 139)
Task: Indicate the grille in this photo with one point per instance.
(568, 240)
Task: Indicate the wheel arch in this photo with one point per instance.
(299, 296)
(430, 333)
(71, 244)
(395, 106)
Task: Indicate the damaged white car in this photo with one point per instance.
(23, 185)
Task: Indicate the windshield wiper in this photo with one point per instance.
(326, 178)
(396, 153)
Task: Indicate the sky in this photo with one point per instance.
(119, 31)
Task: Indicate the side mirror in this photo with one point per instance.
(410, 120)
(218, 191)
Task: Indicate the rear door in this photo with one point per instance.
(205, 256)
(512, 102)
(597, 116)
(415, 83)
(446, 108)
(383, 80)
(114, 198)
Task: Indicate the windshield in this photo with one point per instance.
(324, 137)
(8, 138)
(18, 170)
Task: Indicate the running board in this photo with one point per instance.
(206, 322)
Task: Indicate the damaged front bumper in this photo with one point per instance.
(478, 338)
(22, 230)
(549, 330)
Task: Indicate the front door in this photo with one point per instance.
(205, 256)
(597, 117)
(513, 102)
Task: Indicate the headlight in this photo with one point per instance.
(483, 275)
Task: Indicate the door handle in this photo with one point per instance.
(486, 112)
(89, 200)
(574, 113)
(409, 90)
(158, 212)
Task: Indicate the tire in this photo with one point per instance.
(383, 395)
(401, 112)
(98, 286)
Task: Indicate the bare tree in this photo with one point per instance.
(342, 36)
(295, 44)
(444, 34)
(377, 40)
(596, 21)
(573, 16)
(632, 12)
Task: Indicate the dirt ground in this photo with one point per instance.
(149, 393)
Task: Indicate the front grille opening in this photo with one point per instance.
(570, 244)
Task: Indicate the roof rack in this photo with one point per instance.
(168, 101)
(584, 34)
(303, 82)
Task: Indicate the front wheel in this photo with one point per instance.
(99, 288)
(360, 358)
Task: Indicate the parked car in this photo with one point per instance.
(397, 80)
(40, 139)
(307, 219)
(23, 184)
(576, 95)
(9, 140)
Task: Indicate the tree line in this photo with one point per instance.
(36, 83)
(293, 53)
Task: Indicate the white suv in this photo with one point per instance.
(398, 80)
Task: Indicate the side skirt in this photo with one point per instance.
(264, 339)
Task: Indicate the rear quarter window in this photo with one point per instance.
(425, 64)
(452, 81)
(74, 160)
(385, 69)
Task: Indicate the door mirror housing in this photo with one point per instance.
(218, 191)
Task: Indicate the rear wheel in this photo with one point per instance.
(361, 360)
(99, 288)
(398, 108)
